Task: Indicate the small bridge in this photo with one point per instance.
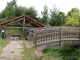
(47, 37)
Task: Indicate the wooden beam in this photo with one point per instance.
(19, 27)
(24, 22)
(13, 22)
(27, 24)
(19, 23)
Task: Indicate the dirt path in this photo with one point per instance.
(12, 51)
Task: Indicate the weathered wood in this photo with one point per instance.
(30, 27)
(35, 41)
(27, 19)
(60, 35)
(19, 23)
(79, 36)
(13, 21)
(54, 34)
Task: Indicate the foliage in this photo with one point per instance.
(20, 10)
(54, 18)
(32, 12)
(28, 53)
(72, 19)
(13, 30)
(44, 19)
(2, 19)
(57, 18)
(2, 14)
(60, 18)
(63, 53)
(10, 9)
(26, 31)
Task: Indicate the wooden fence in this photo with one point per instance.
(47, 35)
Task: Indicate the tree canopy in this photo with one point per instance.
(44, 13)
(57, 18)
(50, 17)
(12, 10)
(72, 18)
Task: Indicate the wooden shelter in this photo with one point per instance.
(22, 21)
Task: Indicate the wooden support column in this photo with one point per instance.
(35, 40)
(79, 35)
(60, 31)
(23, 26)
(24, 22)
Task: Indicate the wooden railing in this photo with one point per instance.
(46, 35)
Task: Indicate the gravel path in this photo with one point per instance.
(12, 51)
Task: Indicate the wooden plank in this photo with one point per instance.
(60, 35)
(35, 39)
(20, 27)
(79, 36)
(12, 22)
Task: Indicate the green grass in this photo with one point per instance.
(13, 30)
(61, 53)
(27, 54)
(3, 43)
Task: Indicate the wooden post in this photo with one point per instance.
(79, 35)
(60, 35)
(35, 40)
(23, 26)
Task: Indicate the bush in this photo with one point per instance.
(63, 53)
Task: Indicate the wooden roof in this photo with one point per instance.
(27, 18)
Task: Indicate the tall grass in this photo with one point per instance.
(3, 43)
(28, 53)
(61, 53)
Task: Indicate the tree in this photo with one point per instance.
(31, 12)
(10, 9)
(72, 18)
(53, 16)
(44, 19)
(61, 18)
(57, 18)
(20, 10)
(2, 14)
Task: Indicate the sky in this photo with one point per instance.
(63, 5)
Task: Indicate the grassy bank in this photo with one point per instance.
(28, 53)
(61, 53)
(3, 43)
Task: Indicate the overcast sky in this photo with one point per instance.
(63, 5)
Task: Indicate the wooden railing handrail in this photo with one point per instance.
(48, 34)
